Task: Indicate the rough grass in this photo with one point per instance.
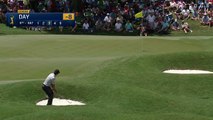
(119, 78)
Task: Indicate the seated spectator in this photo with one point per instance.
(2, 17)
(178, 13)
(86, 26)
(157, 24)
(165, 26)
(173, 5)
(118, 26)
(120, 18)
(185, 13)
(210, 17)
(185, 27)
(210, 3)
(129, 26)
(142, 30)
(175, 25)
(210, 22)
(98, 25)
(205, 19)
(169, 17)
(194, 15)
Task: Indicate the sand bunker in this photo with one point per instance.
(60, 102)
(187, 72)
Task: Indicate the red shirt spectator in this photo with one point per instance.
(210, 1)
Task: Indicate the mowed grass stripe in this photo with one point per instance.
(59, 46)
(129, 85)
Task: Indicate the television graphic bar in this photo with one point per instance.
(24, 18)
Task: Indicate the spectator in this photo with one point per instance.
(2, 17)
(165, 26)
(157, 24)
(118, 26)
(205, 19)
(175, 25)
(142, 29)
(99, 25)
(119, 18)
(86, 26)
(73, 29)
(185, 14)
(107, 22)
(210, 3)
(185, 27)
(193, 9)
(173, 5)
(151, 19)
(210, 18)
(129, 26)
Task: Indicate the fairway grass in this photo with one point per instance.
(118, 78)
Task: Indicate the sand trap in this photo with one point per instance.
(60, 102)
(187, 72)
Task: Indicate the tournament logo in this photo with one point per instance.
(11, 20)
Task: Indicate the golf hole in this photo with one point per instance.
(60, 102)
(187, 72)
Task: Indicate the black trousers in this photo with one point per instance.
(49, 93)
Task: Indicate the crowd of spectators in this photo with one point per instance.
(159, 16)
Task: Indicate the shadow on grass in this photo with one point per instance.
(1, 34)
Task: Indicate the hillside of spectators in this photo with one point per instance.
(159, 16)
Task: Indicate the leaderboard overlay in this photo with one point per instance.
(25, 18)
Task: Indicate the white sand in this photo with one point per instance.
(60, 102)
(187, 72)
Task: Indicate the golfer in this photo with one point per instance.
(49, 86)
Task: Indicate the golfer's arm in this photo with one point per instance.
(53, 87)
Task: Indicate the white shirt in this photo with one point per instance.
(150, 18)
(107, 19)
(185, 12)
(86, 26)
(118, 26)
(50, 79)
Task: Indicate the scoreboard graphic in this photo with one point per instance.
(23, 18)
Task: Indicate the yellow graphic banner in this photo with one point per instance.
(68, 16)
(23, 11)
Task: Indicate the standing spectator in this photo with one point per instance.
(107, 22)
(151, 19)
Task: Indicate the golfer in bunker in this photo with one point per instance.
(49, 86)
